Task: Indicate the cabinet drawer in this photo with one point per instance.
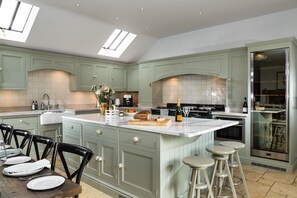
(139, 139)
(71, 127)
(96, 131)
(21, 121)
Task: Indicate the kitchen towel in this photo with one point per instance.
(30, 167)
(10, 152)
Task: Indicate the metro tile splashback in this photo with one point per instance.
(54, 83)
(194, 89)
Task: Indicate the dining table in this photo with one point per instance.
(16, 187)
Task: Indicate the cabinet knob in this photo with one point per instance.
(71, 127)
(0, 68)
(94, 76)
(99, 132)
(120, 165)
(98, 158)
(135, 139)
(21, 121)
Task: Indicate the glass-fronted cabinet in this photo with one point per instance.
(269, 103)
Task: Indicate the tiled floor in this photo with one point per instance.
(262, 183)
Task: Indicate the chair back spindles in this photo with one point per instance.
(6, 131)
(64, 148)
(38, 141)
(20, 133)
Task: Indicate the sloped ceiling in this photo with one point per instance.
(62, 26)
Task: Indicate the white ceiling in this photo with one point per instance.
(61, 26)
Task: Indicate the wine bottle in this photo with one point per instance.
(178, 112)
(244, 106)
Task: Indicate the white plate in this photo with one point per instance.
(5, 146)
(20, 174)
(45, 183)
(17, 160)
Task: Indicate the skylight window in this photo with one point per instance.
(16, 19)
(117, 43)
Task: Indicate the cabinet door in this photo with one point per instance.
(12, 70)
(101, 74)
(119, 78)
(145, 84)
(138, 171)
(85, 76)
(103, 142)
(237, 81)
(72, 135)
(133, 80)
(53, 130)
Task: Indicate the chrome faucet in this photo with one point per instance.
(48, 101)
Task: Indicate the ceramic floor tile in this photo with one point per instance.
(256, 169)
(279, 176)
(252, 176)
(267, 182)
(284, 189)
(274, 195)
(257, 189)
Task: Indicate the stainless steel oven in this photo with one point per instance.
(233, 133)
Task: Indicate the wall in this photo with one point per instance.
(194, 89)
(226, 36)
(54, 83)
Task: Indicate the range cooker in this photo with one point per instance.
(233, 133)
(196, 110)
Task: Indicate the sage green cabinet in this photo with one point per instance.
(137, 160)
(52, 130)
(237, 78)
(103, 142)
(89, 73)
(72, 134)
(51, 61)
(146, 75)
(119, 76)
(12, 70)
(133, 78)
(29, 123)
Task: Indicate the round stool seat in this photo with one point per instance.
(232, 144)
(220, 157)
(198, 162)
(220, 150)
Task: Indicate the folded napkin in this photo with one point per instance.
(30, 167)
(10, 152)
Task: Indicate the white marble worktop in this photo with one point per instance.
(189, 127)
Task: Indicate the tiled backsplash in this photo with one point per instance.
(194, 89)
(54, 83)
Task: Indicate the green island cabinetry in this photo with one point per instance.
(12, 70)
(134, 163)
(53, 131)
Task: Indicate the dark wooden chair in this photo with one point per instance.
(6, 131)
(64, 148)
(40, 143)
(21, 135)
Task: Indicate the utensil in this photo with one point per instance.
(34, 176)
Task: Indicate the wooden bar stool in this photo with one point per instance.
(221, 156)
(236, 163)
(198, 163)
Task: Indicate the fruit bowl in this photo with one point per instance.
(130, 113)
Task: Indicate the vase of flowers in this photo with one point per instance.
(103, 94)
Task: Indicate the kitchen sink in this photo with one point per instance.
(54, 116)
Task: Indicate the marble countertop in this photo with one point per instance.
(189, 127)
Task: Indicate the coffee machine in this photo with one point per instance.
(127, 100)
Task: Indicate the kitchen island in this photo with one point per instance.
(139, 161)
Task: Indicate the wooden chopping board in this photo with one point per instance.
(152, 122)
